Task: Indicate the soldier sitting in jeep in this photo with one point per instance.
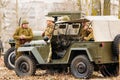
(86, 32)
(90, 36)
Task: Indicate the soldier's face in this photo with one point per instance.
(85, 27)
(24, 25)
(49, 22)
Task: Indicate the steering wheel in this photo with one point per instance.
(63, 41)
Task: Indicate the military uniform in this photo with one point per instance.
(27, 32)
(49, 31)
(89, 37)
(83, 33)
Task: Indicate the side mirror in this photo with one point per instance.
(46, 38)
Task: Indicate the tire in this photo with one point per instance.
(25, 66)
(115, 45)
(81, 67)
(9, 58)
(110, 70)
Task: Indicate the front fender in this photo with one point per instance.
(34, 52)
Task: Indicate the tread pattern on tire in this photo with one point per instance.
(31, 64)
(88, 63)
(115, 45)
(6, 55)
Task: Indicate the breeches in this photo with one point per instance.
(18, 54)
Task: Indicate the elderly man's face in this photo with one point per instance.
(25, 25)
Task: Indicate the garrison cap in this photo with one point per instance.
(25, 22)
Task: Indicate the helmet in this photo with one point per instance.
(64, 18)
(25, 22)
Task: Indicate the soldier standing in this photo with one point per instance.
(1, 47)
(22, 34)
(48, 33)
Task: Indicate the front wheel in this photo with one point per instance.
(81, 67)
(25, 66)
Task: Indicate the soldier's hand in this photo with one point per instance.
(22, 37)
(43, 34)
(85, 38)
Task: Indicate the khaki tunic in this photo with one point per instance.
(83, 33)
(28, 37)
(49, 30)
(90, 37)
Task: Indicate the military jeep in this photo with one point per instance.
(70, 52)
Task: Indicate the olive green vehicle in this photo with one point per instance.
(69, 52)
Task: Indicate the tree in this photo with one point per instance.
(3, 4)
(106, 10)
(119, 12)
(79, 4)
(96, 7)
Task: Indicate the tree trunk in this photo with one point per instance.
(0, 22)
(79, 5)
(106, 10)
(96, 7)
(119, 12)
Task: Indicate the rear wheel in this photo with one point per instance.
(81, 67)
(9, 58)
(110, 70)
(25, 66)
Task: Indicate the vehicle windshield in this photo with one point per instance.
(67, 29)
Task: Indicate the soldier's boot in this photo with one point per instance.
(48, 60)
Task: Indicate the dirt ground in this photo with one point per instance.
(6, 74)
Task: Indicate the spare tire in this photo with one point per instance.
(115, 46)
